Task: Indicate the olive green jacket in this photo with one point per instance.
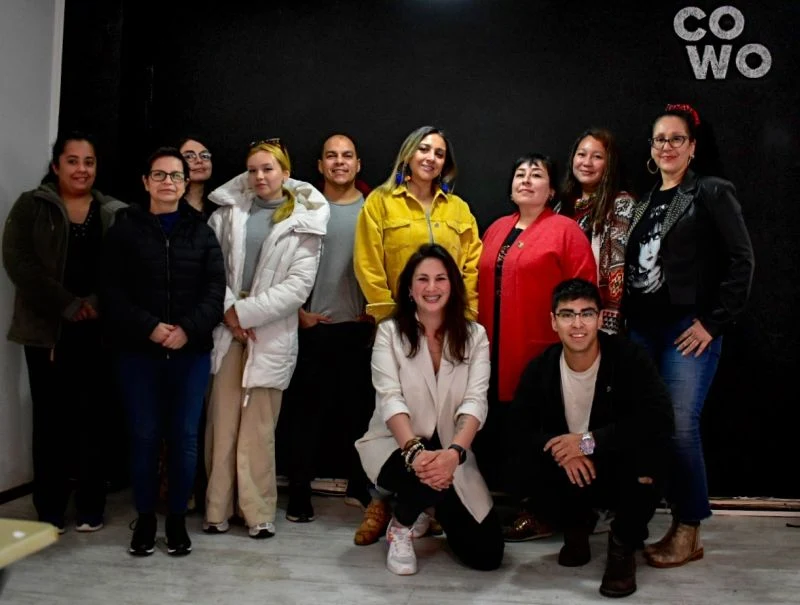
(35, 256)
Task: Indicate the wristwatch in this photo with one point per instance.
(587, 444)
(462, 453)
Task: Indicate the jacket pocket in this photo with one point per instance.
(396, 233)
(455, 237)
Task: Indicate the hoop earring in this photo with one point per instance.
(653, 170)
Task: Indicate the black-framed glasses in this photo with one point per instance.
(568, 315)
(191, 156)
(679, 140)
(273, 141)
(175, 177)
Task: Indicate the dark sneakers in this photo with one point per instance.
(143, 542)
(299, 509)
(619, 579)
(178, 542)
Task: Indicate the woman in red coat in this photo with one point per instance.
(525, 255)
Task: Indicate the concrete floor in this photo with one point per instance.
(749, 560)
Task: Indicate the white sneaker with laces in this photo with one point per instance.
(421, 525)
(215, 528)
(401, 560)
(262, 530)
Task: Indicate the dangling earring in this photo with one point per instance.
(444, 186)
(410, 296)
(654, 169)
(691, 157)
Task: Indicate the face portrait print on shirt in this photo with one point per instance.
(646, 275)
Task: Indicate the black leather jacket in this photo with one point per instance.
(705, 251)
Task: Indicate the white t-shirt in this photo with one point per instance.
(577, 390)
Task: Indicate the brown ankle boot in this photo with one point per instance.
(682, 547)
(619, 580)
(373, 526)
(664, 539)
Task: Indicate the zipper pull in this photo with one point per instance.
(246, 398)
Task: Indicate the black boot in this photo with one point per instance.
(178, 541)
(619, 579)
(143, 542)
(299, 509)
(576, 550)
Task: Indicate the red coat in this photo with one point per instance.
(553, 248)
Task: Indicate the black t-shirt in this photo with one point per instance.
(646, 291)
(84, 251)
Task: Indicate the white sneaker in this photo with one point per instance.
(421, 525)
(216, 528)
(261, 531)
(401, 560)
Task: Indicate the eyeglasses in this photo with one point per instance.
(274, 141)
(568, 315)
(160, 175)
(191, 156)
(676, 141)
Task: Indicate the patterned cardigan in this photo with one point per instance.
(611, 258)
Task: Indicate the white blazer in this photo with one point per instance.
(406, 385)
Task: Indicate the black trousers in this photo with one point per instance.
(617, 487)
(330, 401)
(477, 545)
(69, 429)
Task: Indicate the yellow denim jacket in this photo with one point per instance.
(392, 226)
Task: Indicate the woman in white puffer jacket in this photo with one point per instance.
(270, 228)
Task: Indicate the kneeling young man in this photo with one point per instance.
(591, 425)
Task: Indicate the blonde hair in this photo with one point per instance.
(407, 151)
(281, 154)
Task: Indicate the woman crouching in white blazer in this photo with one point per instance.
(270, 229)
(430, 369)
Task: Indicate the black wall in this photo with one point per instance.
(503, 77)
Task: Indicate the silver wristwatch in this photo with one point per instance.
(587, 444)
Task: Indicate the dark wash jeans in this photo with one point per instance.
(688, 380)
(163, 398)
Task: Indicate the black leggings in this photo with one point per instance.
(477, 545)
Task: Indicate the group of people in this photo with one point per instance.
(269, 284)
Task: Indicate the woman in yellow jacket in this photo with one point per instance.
(414, 206)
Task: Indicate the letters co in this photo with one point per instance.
(725, 23)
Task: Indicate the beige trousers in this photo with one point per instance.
(240, 445)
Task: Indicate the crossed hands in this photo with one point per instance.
(85, 311)
(435, 468)
(169, 336)
(231, 320)
(567, 454)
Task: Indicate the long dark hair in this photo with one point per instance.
(455, 326)
(607, 189)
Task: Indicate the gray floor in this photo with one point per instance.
(748, 560)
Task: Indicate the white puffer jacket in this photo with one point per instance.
(284, 277)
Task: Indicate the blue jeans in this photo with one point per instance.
(688, 380)
(159, 393)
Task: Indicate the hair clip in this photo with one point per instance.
(686, 108)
